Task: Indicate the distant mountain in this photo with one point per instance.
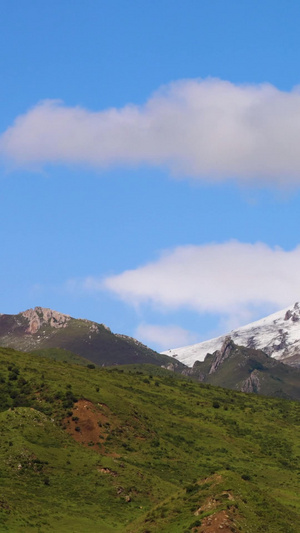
(61, 337)
(41, 329)
(247, 370)
(278, 335)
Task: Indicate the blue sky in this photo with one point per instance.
(149, 168)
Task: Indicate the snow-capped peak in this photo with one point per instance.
(278, 335)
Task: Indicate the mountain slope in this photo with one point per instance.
(278, 335)
(112, 450)
(247, 370)
(40, 329)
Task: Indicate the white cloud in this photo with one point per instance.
(164, 337)
(207, 129)
(232, 279)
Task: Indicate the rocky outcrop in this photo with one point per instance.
(194, 372)
(222, 354)
(40, 316)
(294, 316)
(252, 384)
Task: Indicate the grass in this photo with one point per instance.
(168, 448)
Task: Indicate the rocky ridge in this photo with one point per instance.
(247, 370)
(222, 354)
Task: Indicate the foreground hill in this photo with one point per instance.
(278, 335)
(121, 450)
(247, 370)
(41, 329)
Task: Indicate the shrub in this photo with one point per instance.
(197, 523)
(191, 488)
(13, 376)
(246, 477)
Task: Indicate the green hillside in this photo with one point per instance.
(119, 450)
(60, 354)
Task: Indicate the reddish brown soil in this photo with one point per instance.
(93, 425)
(212, 503)
(221, 521)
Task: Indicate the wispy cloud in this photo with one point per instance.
(232, 279)
(205, 129)
(165, 337)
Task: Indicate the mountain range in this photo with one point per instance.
(239, 361)
(277, 335)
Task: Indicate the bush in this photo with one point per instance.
(197, 523)
(13, 376)
(246, 477)
(191, 488)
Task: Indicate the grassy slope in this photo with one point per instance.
(170, 446)
(59, 354)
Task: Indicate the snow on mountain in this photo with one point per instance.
(278, 335)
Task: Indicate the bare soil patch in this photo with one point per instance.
(221, 521)
(90, 424)
(213, 503)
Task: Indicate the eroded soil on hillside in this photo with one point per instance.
(90, 424)
(220, 521)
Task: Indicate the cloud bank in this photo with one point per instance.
(204, 129)
(232, 279)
